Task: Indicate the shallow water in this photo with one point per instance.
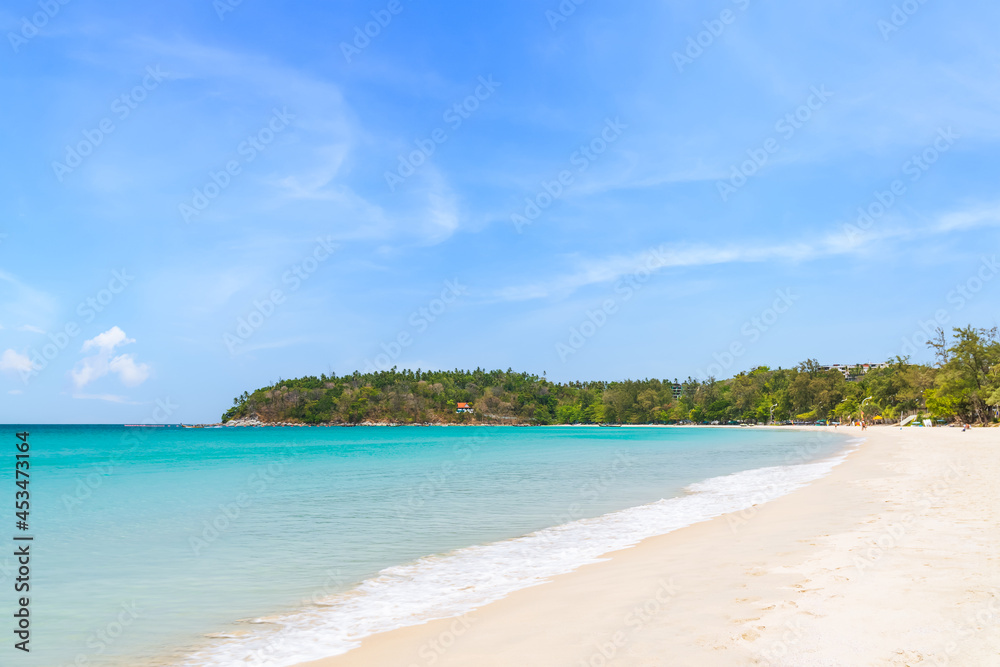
(159, 545)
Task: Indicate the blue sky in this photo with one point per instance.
(210, 197)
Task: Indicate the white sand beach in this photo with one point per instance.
(893, 559)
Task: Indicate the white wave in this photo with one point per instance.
(450, 585)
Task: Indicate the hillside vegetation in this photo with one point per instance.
(963, 386)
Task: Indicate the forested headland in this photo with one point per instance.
(963, 385)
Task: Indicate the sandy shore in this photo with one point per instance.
(893, 559)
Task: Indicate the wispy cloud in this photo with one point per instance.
(985, 216)
(275, 345)
(110, 398)
(654, 259)
(317, 183)
(442, 218)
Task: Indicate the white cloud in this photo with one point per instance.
(15, 392)
(31, 329)
(100, 364)
(89, 369)
(108, 340)
(12, 361)
(130, 373)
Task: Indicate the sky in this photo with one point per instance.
(200, 198)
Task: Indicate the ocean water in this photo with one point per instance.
(272, 546)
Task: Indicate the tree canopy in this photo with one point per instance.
(964, 385)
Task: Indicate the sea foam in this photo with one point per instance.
(452, 584)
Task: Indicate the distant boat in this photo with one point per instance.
(611, 425)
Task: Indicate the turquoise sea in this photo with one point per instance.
(270, 546)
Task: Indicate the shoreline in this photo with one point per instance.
(531, 559)
(788, 427)
(795, 576)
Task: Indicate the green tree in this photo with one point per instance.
(966, 381)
